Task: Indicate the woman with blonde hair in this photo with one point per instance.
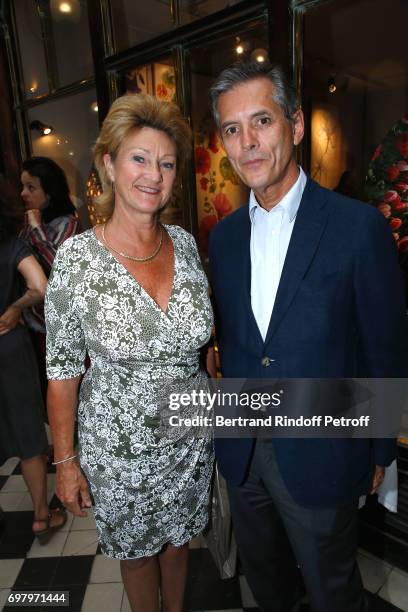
(132, 293)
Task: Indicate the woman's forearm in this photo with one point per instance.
(30, 298)
(71, 485)
(62, 400)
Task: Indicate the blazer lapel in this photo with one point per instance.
(309, 225)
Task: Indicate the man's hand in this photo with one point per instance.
(9, 319)
(377, 479)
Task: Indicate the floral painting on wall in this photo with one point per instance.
(164, 82)
(155, 79)
(219, 189)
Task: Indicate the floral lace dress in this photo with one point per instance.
(150, 485)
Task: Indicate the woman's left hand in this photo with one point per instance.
(378, 477)
(211, 363)
(9, 319)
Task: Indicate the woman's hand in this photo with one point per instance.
(9, 319)
(72, 488)
(211, 362)
(33, 216)
(378, 477)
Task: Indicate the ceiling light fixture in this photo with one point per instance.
(331, 85)
(41, 127)
(68, 11)
(65, 7)
(239, 49)
(259, 55)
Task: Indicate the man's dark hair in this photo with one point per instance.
(284, 92)
(54, 182)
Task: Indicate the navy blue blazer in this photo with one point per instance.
(339, 312)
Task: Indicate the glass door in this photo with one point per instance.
(219, 191)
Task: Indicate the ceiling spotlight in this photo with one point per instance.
(40, 127)
(259, 55)
(69, 11)
(94, 107)
(331, 85)
(239, 49)
(65, 7)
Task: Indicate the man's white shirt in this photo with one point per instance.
(270, 235)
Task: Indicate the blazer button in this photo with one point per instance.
(266, 362)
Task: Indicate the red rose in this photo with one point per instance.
(212, 142)
(392, 173)
(403, 244)
(398, 206)
(222, 205)
(401, 143)
(206, 225)
(401, 187)
(202, 160)
(391, 196)
(395, 223)
(384, 209)
(203, 183)
(376, 153)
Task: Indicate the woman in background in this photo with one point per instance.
(50, 214)
(22, 432)
(49, 220)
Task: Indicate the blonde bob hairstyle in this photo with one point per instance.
(126, 114)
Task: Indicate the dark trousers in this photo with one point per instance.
(275, 535)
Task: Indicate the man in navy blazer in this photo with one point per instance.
(306, 285)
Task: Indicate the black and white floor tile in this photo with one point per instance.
(71, 561)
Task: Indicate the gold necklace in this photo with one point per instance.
(131, 257)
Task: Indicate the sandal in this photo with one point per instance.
(44, 535)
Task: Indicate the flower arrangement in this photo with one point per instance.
(387, 183)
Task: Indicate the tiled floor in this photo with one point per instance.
(71, 562)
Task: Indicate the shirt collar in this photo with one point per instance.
(289, 203)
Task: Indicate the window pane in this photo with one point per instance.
(190, 10)
(71, 41)
(31, 48)
(136, 22)
(75, 128)
(355, 89)
(157, 79)
(219, 190)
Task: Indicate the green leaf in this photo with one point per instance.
(227, 172)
